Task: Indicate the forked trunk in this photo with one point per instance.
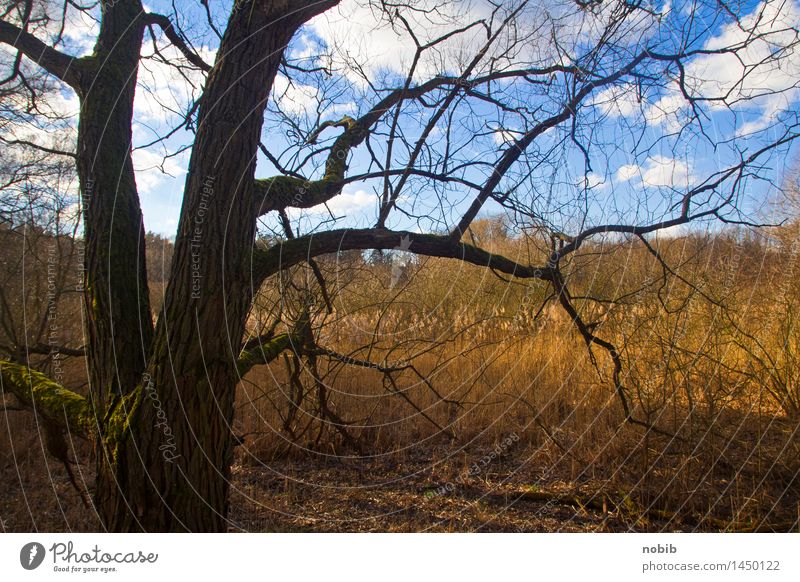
(173, 461)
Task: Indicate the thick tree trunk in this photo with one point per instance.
(172, 465)
(119, 320)
(161, 403)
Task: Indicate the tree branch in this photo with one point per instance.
(281, 192)
(516, 149)
(176, 39)
(57, 405)
(265, 352)
(267, 262)
(46, 349)
(63, 66)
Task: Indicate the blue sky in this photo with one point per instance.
(643, 154)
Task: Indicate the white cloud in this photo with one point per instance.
(673, 232)
(347, 203)
(666, 110)
(765, 70)
(162, 92)
(293, 97)
(359, 32)
(626, 172)
(350, 202)
(503, 136)
(58, 128)
(669, 110)
(592, 181)
(154, 171)
(658, 171)
(662, 171)
(80, 32)
(618, 101)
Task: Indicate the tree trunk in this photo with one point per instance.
(173, 462)
(161, 404)
(119, 320)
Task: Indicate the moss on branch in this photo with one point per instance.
(65, 408)
(117, 425)
(265, 352)
(281, 192)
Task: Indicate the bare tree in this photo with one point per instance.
(494, 108)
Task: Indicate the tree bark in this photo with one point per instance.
(173, 461)
(119, 320)
(161, 403)
(119, 324)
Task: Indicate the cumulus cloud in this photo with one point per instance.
(80, 32)
(672, 232)
(667, 110)
(618, 101)
(154, 171)
(658, 171)
(163, 94)
(504, 136)
(670, 110)
(592, 181)
(764, 71)
(349, 202)
(627, 172)
(358, 32)
(661, 171)
(293, 97)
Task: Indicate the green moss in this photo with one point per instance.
(63, 407)
(265, 353)
(69, 410)
(281, 192)
(118, 422)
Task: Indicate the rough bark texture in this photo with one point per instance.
(161, 403)
(173, 462)
(119, 319)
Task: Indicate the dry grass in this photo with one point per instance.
(507, 423)
(734, 467)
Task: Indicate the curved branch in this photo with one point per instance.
(265, 352)
(516, 149)
(281, 192)
(36, 146)
(267, 262)
(709, 185)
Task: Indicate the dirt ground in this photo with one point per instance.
(415, 495)
(442, 490)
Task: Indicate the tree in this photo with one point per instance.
(494, 107)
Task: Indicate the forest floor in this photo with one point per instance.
(422, 494)
(513, 485)
(433, 491)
